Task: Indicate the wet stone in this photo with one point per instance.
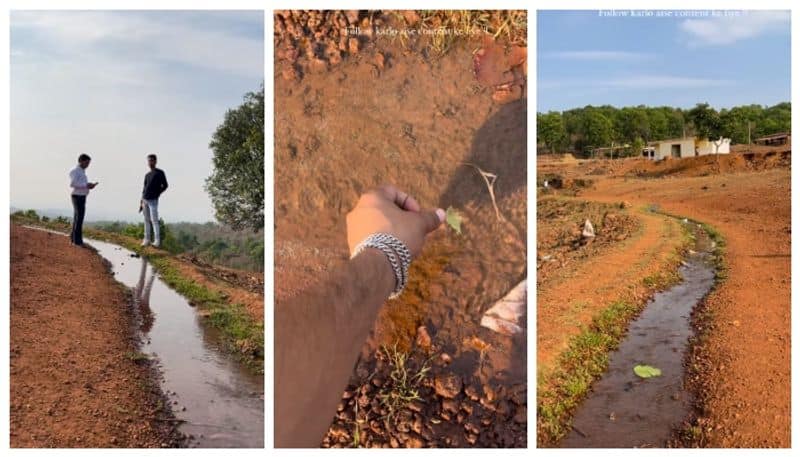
(472, 392)
(414, 442)
(448, 385)
(450, 406)
(415, 406)
(423, 340)
(417, 426)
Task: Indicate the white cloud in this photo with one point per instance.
(119, 85)
(640, 82)
(724, 30)
(598, 55)
(143, 38)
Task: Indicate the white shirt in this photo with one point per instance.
(78, 181)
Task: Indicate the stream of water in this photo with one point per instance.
(623, 410)
(220, 400)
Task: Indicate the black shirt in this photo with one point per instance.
(155, 183)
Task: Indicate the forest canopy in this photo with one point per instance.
(580, 130)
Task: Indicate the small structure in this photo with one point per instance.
(719, 146)
(679, 148)
(610, 151)
(675, 148)
(776, 139)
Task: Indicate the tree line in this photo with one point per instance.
(581, 130)
(211, 242)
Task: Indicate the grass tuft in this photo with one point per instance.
(405, 381)
(510, 26)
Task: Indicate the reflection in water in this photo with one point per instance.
(141, 296)
(220, 400)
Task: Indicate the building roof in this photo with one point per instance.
(671, 140)
(774, 136)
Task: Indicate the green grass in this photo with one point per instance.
(137, 356)
(719, 251)
(585, 359)
(404, 381)
(243, 335)
(716, 236)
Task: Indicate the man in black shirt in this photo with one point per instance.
(155, 183)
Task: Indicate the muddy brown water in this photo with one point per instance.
(219, 399)
(623, 410)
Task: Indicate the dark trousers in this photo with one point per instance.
(79, 207)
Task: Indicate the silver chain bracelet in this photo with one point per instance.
(396, 251)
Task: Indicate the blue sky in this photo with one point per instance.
(726, 60)
(119, 85)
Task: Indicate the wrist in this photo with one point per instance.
(395, 252)
(377, 268)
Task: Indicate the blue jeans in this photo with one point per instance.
(150, 210)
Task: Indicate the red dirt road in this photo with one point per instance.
(74, 382)
(744, 365)
(563, 306)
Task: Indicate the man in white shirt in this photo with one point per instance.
(80, 189)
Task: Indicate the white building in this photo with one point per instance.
(679, 148)
(719, 146)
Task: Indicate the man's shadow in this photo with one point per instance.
(499, 147)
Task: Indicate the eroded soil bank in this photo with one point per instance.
(75, 379)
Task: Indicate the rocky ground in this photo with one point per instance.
(319, 41)
(559, 239)
(76, 379)
(414, 113)
(413, 400)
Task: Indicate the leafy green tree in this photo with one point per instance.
(676, 124)
(584, 127)
(706, 121)
(550, 129)
(598, 130)
(657, 120)
(236, 185)
(636, 147)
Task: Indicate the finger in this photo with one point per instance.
(411, 204)
(400, 198)
(388, 192)
(432, 219)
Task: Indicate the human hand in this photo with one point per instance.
(92, 185)
(389, 210)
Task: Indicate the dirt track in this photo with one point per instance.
(74, 381)
(613, 274)
(743, 369)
